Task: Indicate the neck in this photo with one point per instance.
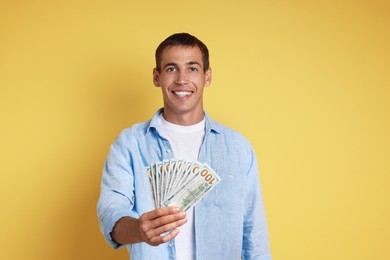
(184, 119)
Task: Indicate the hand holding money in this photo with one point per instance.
(154, 224)
(152, 227)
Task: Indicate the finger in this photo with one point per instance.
(168, 227)
(160, 212)
(163, 239)
(150, 229)
(161, 221)
(170, 236)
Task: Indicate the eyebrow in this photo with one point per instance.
(193, 63)
(187, 63)
(170, 64)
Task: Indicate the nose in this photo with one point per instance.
(181, 78)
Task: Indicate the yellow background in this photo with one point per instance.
(307, 82)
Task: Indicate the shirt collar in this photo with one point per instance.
(210, 124)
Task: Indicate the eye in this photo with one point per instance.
(193, 69)
(171, 69)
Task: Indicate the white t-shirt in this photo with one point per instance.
(185, 142)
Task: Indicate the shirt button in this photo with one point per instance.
(170, 245)
(168, 150)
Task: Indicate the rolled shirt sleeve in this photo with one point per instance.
(117, 191)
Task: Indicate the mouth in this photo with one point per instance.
(182, 93)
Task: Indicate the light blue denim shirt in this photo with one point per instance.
(229, 221)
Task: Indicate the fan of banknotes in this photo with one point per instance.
(181, 183)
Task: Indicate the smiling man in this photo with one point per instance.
(229, 222)
(182, 76)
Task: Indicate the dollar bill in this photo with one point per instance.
(166, 175)
(157, 182)
(179, 174)
(186, 197)
(173, 168)
(149, 171)
(180, 182)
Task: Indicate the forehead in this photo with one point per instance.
(181, 55)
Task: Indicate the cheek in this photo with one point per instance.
(165, 81)
(165, 90)
(201, 83)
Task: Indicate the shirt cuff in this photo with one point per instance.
(109, 223)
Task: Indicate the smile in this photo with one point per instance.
(182, 93)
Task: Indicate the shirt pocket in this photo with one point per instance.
(229, 196)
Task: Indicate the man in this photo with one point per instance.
(229, 222)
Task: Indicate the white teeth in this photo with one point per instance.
(182, 93)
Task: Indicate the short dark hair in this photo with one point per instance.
(183, 39)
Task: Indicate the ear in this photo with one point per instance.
(156, 78)
(208, 77)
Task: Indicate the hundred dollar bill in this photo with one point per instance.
(166, 175)
(157, 182)
(181, 167)
(161, 174)
(149, 171)
(190, 172)
(185, 173)
(174, 165)
(186, 197)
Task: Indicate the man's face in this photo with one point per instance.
(182, 79)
